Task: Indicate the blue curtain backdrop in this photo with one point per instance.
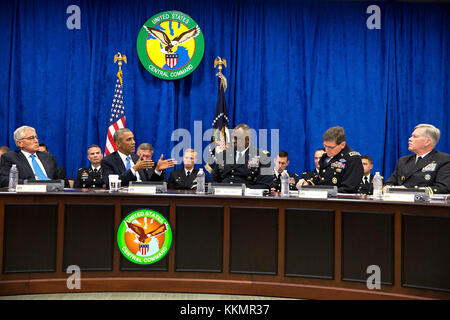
(296, 66)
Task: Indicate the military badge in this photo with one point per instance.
(338, 164)
(430, 167)
(427, 177)
(253, 163)
(334, 180)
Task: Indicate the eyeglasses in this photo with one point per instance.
(30, 138)
(330, 147)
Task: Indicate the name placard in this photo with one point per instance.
(31, 188)
(254, 192)
(142, 189)
(228, 191)
(313, 194)
(398, 196)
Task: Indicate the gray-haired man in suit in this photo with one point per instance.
(31, 163)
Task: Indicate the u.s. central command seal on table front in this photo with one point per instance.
(144, 236)
(170, 45)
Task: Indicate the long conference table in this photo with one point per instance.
(269, 246)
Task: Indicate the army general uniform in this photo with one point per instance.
(431, 172)
(253, 168)
(89, 178)
(293, 180)
(310, 174)
(344, 170)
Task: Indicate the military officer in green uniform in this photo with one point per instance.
(427, 168)
(339, 166)
(243, 163)
(91, 177)
(281, 162)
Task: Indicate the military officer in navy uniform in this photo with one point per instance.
(281, 162)
(91, 177)
(186, 177)
(427, 168)
(312, 174)
(243, 163)
(339, 166)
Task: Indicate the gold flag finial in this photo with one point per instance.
(219, 61)
(119, 57)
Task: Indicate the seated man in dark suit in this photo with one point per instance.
(427, 168)
(127, 165)
(186, 177)
(243, 163)
(366, 186)
(281, 162)
(145, 150)
(31, 163)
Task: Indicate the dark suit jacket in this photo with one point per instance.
(276, 184)
(25, 170)
(113, 164)
(366, 188)
(179, 181)
(432, 171)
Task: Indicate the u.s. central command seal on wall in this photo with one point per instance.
(144, 236)
(170, 45)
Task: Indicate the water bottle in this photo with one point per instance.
(13, 178)
(200, 181)
(284, 184)
(377, 186)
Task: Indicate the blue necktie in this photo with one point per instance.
(128, 165)
(37, 169)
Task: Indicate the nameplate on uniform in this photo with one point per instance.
(228, 191)
(254, 192)
(142, 189)
(313, 194)
(398, 196)
(31, 187)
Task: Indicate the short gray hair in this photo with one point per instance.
(430, 131)
(146, 146)
(19, 134)
(336, 134)
(119, 132)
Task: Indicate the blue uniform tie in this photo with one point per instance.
(37, 169)
(128, 164)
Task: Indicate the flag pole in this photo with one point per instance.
(119, 57)
(220, 136)
(117, 114)
(222, 80)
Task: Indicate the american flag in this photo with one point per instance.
(117, 118)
